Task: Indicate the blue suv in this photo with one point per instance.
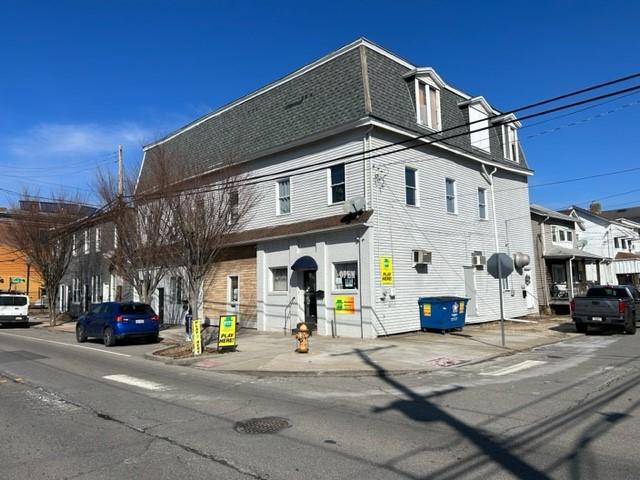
(112, 321)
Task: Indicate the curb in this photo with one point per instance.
(186, 362)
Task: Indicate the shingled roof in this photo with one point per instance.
(358, 82)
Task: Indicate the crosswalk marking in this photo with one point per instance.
(514, 368)
(137, 382)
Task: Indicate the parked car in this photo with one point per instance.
(617, 306)
(14, 308)
(113, 321)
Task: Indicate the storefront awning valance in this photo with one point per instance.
(305, 263)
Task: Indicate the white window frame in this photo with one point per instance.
(278, 197)
(509, 139)
(479, 131)
(454, 196)
(330, 185)
(272, 280)
(230, 301)
(87, 242)
(416, 189)
(484, 204)
(74, 245)
(334, 270)
(98, 238)
(428, 85)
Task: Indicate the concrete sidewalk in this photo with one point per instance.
(273, 354)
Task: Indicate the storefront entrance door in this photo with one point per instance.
(310, 301)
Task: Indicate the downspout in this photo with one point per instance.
(366, 166)
(489, 178)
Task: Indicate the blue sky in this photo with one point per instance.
(80, 77)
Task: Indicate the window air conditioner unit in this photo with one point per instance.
(421, 257)
(478, 260)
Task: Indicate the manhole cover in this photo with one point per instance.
(262, 425)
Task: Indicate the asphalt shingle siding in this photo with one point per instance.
(325, 97)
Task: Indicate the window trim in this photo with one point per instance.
(335, 289)
(507, 140)
(429, 84)
(486, 210)
(454, 196)
(416, 188)
(87, 243)
(272, 290)
(331, 185)
(278, 182)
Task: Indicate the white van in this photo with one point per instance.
(14, 308)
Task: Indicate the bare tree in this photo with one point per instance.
(203, 212)
(140, 256)
(43, 231)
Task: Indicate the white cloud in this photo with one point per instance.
(54, 139)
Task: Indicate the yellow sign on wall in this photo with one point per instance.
(386, 270)
(196, 337)
(344, 303)
(227, 332)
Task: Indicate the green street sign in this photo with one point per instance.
(14, 280)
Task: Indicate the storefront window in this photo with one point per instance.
(346, 275)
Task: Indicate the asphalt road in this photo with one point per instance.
(567, 410)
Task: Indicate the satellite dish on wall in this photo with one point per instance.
(354, 206)
(582, 242)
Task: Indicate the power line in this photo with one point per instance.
(321, 165)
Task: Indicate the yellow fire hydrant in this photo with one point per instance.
(303, 338)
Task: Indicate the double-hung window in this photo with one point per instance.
(87, 245)
(411, 185)
(482, 203)
(510, 142)
(337, 184)
(234, 206)
(450, 193)
(279, 280)
(98, 233)
(283, 192)
(428, 105)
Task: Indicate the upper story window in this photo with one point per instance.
(482, 203)
(283, 193)
(87, 245)
(411, 185)
(428, 105)
(234, 204)
(450, 193)
(479, 127)
(510, 142)
(337, 184)
(98, 239)
(559, 234)
(74, 245)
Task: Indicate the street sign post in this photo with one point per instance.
(500, 266)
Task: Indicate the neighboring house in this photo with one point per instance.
(565, 269)
(629, 213)
(617, 242)
(425, 222)
(90, 277)
(14, 264)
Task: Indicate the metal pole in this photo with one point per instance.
(497, 240)
(359, 240)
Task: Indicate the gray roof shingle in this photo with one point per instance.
(310, 103)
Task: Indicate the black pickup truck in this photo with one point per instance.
(607, 305)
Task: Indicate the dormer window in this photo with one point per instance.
(510, 142)
(479, 128)
(428, 103)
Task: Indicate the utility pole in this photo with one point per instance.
(120, 171)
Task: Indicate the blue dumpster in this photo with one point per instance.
(442, 313)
